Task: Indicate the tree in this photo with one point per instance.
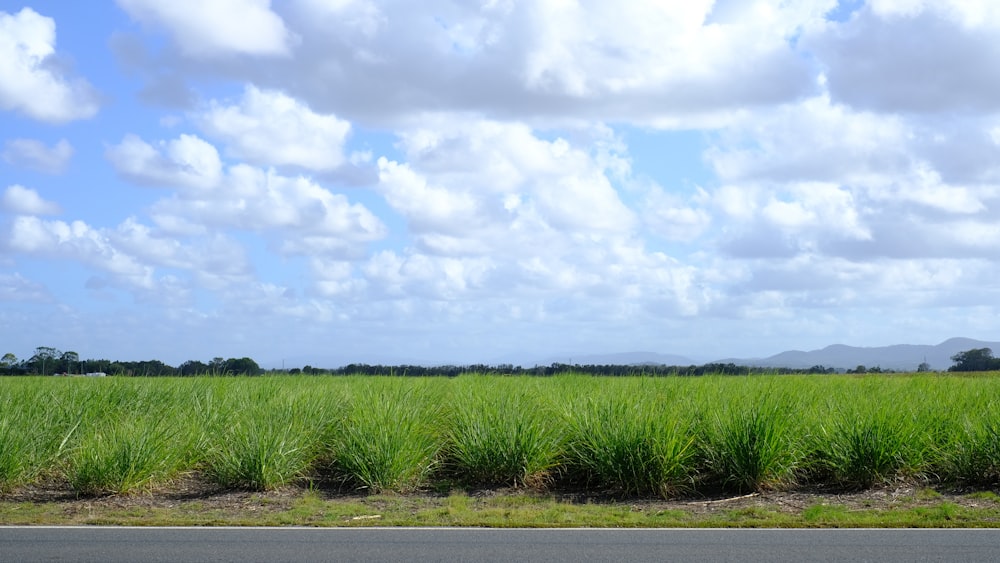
(67, 360)
(242, 366)
(217, 366)
(8, 361)
(977, 359)
(924, 366)
(193, 367)
(44, 360)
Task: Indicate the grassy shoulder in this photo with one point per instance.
(904, 507)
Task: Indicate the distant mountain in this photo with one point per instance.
(901, 357)
(897, 357)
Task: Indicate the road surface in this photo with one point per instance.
(121, 544)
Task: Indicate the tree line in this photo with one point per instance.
(50, 361)
(977, 359)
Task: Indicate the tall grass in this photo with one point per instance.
(633, 435)
(269, 438)
(499, 433)
(391, 436)
(124, 457)
(749, 447)
(128, 437)
(26, 437)
(631, 445)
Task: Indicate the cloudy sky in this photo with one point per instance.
(335, 181)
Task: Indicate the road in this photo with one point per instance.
(121, 544)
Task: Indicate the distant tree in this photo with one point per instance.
(68, 361)
(150, 368)
(217, 366)
(193, 367)
(242, 366)
(859, 369)
(8, 361)
(44, 360)
(977, 359)
(924, 366)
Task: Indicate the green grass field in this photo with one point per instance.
(629, 436)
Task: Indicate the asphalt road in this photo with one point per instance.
(114, 544)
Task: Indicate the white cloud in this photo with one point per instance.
(81, 242)
(913, 56)
(21, 200)
(269, 127)
(147, 263)
(672, 218)
(187, 161)
(970, 13)
(819, 177)
(218, 28)
(16, 288)
(811, 140)
(653, 63)
(215, 261)
(298, 215)
(27, 83)
(35, 155)
(364, 16)
(475, 186)
(515, 223)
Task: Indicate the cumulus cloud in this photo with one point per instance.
(28, 84)
(151, 265)
(648, 63)
(207, 30)
(185, 162)
(522, 226)
(21, 200)
(17, 288)
(215, 261)
(35, 155)
(487, 186)
(271, 128)
(298, 214)
(913, 56)
(814, 139)
(823, 178)
(671, 217)
(79, 241)
(851, 167)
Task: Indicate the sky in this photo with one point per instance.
(328, 182)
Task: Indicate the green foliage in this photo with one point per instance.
(640, 435)
(868, 448)
(978, 359)
(499, 434)
(124, 457)
(749, 448)
(391, 437)
(630, 444)
(269, 438)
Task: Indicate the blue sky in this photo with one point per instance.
(325, 182)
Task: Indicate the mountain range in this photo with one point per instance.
(900, 357)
